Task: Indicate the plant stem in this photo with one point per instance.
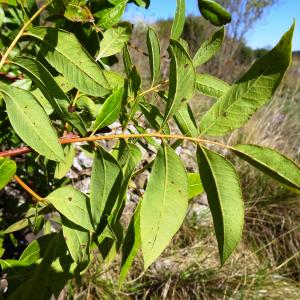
(153, 88)
(71, 138)
(141, 135)
(28, 189)
(21, 32)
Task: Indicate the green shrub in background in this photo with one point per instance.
(58, 89)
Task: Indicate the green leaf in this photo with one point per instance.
(35, 250)
(131, 245)
(51, 90)
(76, 11)
(182, 79)
(214, 12)
(185, 121)
(72, 204)
(26, 277)
(105, 184)
(154, 54)
(127, 61)
(110, 110)
(129, 155)
(64, 52)
(211, 86)
(209, 48)
(142, 3)
(31, 122)
(111, 15)
(114, 79)
(252, 91)
(271, 162)
(19, 225)
(63, 168)
(86, 104)
(8, 169)
(113, 41)
(164, 205)
(178, 23)
(224, 194)
(154, 117)
(77, 240)
(37, 287)
(195, 185)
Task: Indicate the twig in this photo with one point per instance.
(19, 35)
(36, 197)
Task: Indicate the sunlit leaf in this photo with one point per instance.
(209, 48)
(182, 79)
(271, 162)
(72, 204)
(64, 52)
(224, 195)
(211, 86)
(63, 168)
(185, 121)
(249, 93)
(51, 90)
(195, 185)
(164, 205)
(31, 122)
(105, 184)
(110, 15)
(113, 41)
(178, 23)
(214, 12)
(110, 110)
(154, 54)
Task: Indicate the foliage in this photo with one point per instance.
(64, 86)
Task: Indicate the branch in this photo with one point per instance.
(36, 197)
(70, 139)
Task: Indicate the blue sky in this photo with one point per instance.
(265, 33)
